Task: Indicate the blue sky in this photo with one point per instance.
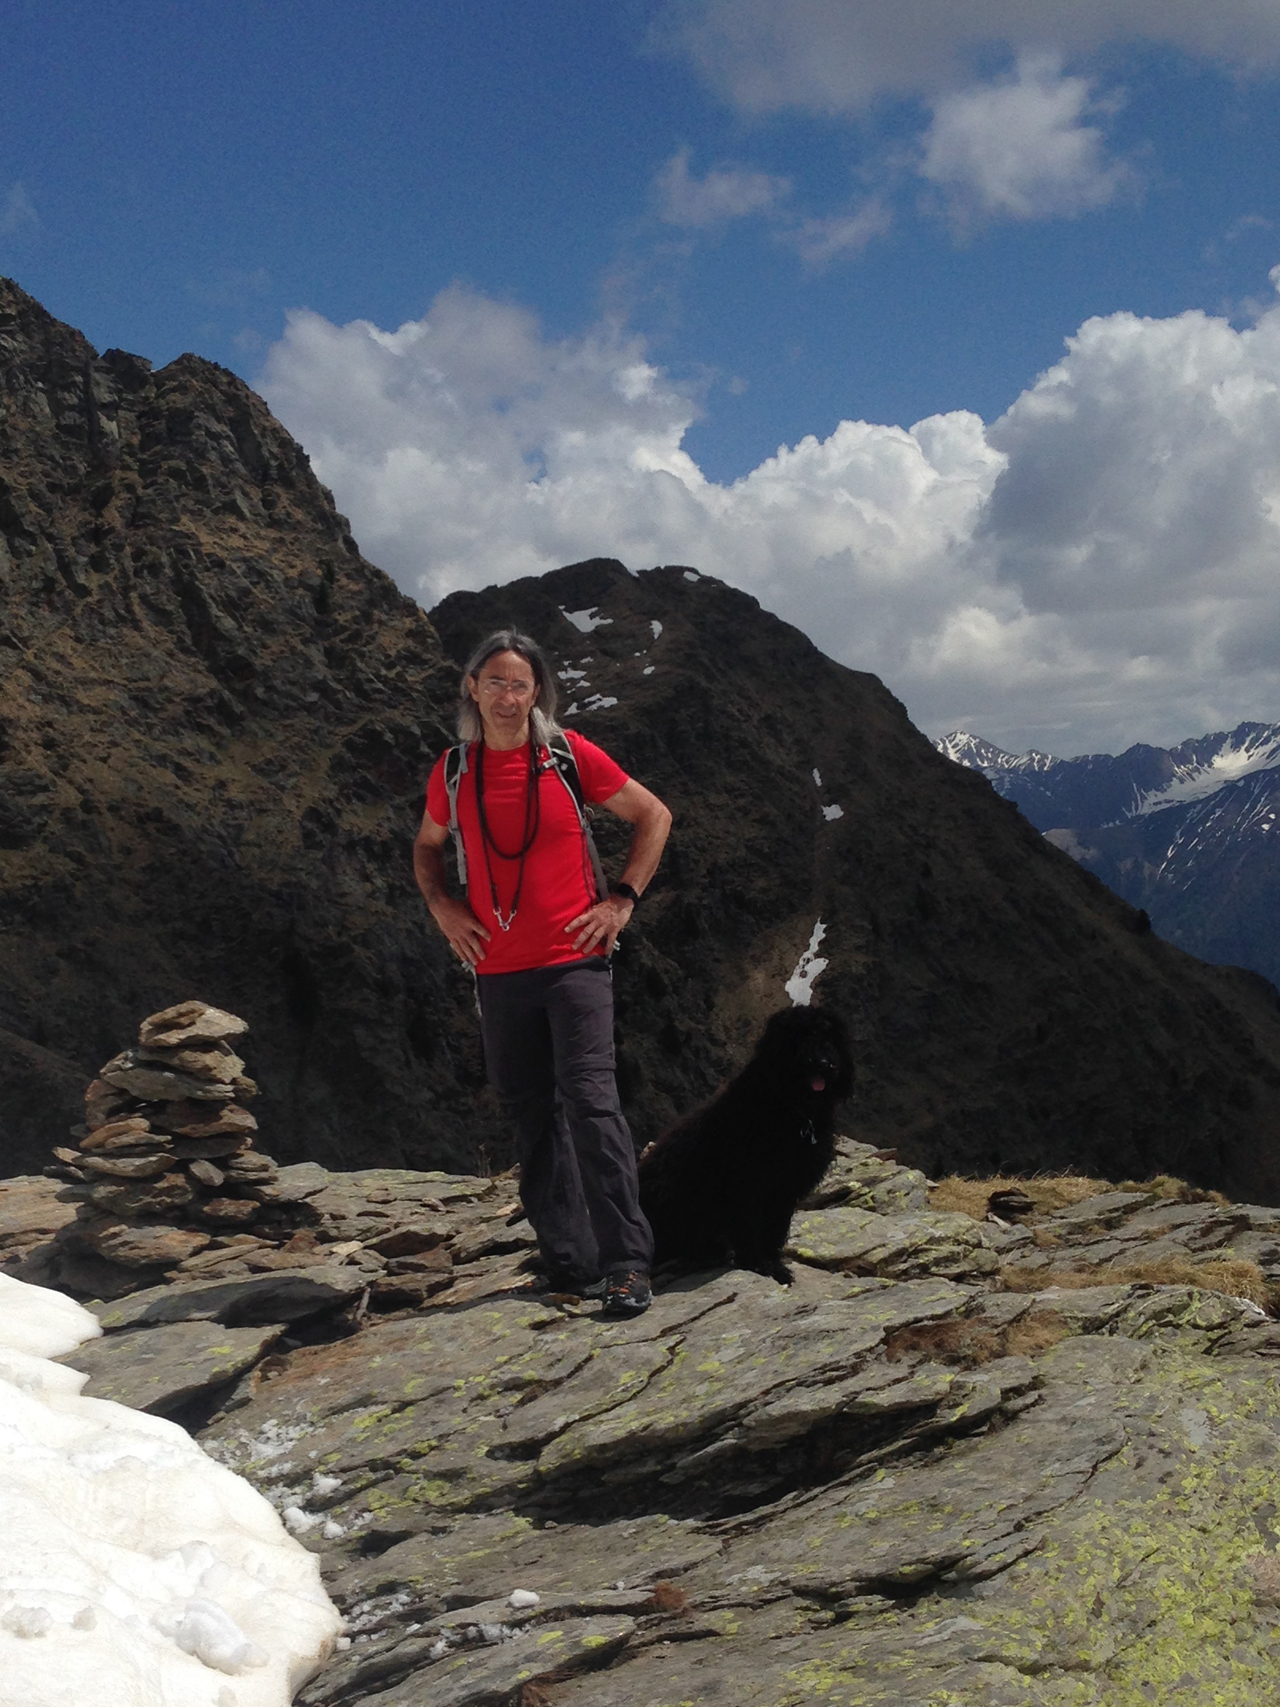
(624, 253)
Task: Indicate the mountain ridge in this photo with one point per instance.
(1186, 833)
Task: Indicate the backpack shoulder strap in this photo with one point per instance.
(565, 765)
(455, 767)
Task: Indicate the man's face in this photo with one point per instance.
(504, 690)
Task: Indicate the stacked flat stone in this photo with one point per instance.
(166, 1151)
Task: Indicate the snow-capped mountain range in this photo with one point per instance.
(1185, 831)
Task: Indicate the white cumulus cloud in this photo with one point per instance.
(1100, 565)
(1020, 146)
(837, 56)
(725, 193)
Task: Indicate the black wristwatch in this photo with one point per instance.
(624, 889)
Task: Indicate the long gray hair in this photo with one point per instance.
(542, 716)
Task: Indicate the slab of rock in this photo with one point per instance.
(1107, 1209)
(160, 1369)
(32, 1210)
(217, 1062)
(139, 1245)
(116, 1166)
(865, 1178)
(190, 1022)
(302, 1180)
(117, 1132)
(412, 1240)
(127, 1072)
(104, 1103)
(229, 1211)
(289, 1295)
(484, 1556)
(920, 1242)
(508, 1669)
(165, 1195)
(187, 1119)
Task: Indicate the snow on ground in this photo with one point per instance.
(599, 702)
(831, 813)
(135, 1571)
(809, 967)
(656, 626)
(585, 620)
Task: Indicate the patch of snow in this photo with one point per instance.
(691, 575)
(568, 675)
(572, 710)
(831, 813)
(136, 1570)
(598, 702)
(656, 626)
(523, 1597)
(981, 755)
(809, 967)
(649, 669)
(585, 620)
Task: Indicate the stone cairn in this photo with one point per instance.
(166, 1154)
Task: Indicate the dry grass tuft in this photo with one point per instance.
(969, 1344)
(529, 1695)
(1056, 1191)
(1035, 1332)
(966, 1343)
(1234, 1276)
(666, 1597)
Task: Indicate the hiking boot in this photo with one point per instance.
(628, 1293)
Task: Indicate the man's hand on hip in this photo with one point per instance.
(601, 924)
(467, 936)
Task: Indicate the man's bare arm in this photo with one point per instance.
(652, 822)
(467, 936)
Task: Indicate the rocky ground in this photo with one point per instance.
(960, 1460)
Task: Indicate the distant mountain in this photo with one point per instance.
(1185, 832)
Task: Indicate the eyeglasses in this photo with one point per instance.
(498, 684)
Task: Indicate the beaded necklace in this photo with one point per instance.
(532, 818)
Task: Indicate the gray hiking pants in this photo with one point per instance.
(548, 1046)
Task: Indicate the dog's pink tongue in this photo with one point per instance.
(819, 1084)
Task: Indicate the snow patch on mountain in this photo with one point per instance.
(1250, 748)
(978, 754)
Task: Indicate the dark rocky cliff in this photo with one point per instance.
(215, 719)
(214, 716)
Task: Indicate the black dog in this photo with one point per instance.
(724, 1182)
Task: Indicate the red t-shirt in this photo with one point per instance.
(558, 880)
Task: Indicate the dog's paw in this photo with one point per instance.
(773, 1268)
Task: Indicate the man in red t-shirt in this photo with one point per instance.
(538, 937)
